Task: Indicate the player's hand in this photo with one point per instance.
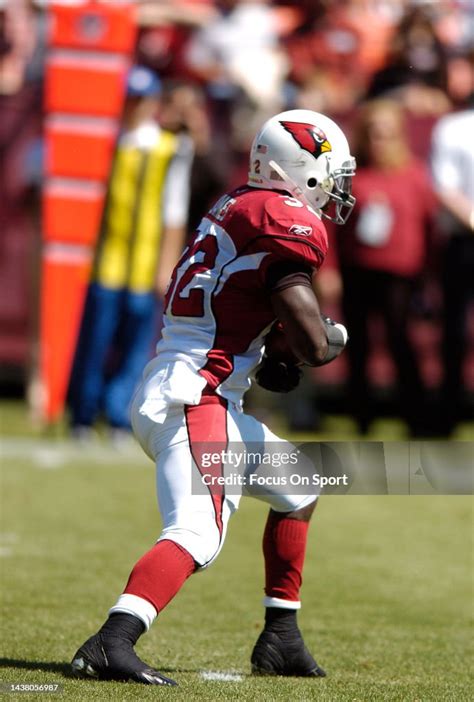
(278, 376)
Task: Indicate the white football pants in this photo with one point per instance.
(187, 449)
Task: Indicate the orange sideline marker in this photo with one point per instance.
(89, 55)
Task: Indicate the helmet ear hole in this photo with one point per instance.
(312, 183)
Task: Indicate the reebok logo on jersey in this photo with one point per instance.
(301, 229)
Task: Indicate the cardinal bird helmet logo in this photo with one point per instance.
(309, 137)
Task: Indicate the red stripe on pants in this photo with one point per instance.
(207, 433)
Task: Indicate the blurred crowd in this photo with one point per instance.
(398, 76)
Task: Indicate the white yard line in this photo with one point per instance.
(219, 676)
(48, 454)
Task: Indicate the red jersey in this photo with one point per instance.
(218, 304)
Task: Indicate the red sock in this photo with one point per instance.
(284, 546)
(160, 573)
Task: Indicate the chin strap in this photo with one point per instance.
(294, 189)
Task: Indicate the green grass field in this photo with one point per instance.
(386, 599)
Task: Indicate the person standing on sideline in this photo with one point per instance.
(452, 163)
(142, 235)
(382, 252)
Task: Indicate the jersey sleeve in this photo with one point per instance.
(293, 235)
(285, 274)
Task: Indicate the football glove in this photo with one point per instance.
(278, 376)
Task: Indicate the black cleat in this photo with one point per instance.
(111, 658)
(277, 654)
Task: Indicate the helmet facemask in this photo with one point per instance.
(331, 196)
(340, 199)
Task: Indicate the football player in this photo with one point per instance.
(249, 267)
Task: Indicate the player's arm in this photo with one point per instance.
(302, 337)
(313, 339)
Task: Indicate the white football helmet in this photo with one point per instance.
(306, 154)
